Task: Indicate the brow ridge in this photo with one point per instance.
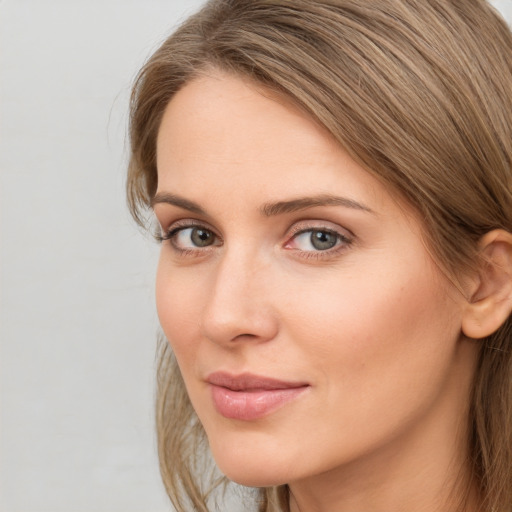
(303, 203)
(268, 209)
(180, 202)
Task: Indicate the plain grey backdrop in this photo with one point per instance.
(77, 320)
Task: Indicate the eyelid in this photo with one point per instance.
(345, 239)
(311, 225)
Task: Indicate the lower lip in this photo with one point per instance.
(252, 405)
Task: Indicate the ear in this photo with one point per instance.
(490, 300)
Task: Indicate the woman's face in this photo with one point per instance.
(313, 331)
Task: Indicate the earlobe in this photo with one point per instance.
(490, 302)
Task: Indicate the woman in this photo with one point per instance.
(332, 185)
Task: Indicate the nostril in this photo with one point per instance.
(241, 337)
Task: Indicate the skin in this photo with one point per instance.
(371, 325)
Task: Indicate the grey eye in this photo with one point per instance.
(315, 240)
(323, 240)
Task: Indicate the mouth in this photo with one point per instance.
(250, 397)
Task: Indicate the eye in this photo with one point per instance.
(190, 238)
(315, 240)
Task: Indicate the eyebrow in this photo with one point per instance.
(178, 201)
(302, 203)
(268, 209)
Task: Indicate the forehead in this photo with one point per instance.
(223, 130)
(223, 113)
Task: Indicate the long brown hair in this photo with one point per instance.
(419, 92)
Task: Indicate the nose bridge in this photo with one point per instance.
(238, 304)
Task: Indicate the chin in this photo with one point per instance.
(252, 477)
(251, 467)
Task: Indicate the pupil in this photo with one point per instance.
(323, 240)
(201, 237)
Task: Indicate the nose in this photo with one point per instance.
(238, 303)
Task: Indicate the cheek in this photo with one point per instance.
(178, 302)
(380, 356)
(377, 333)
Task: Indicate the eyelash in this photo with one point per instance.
(342, 243)
(170, 236)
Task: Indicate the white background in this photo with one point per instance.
(77, 312)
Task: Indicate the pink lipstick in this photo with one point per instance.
(250, 397)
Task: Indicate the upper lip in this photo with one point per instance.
(250, 382)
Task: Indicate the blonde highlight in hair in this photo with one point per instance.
(419, 92)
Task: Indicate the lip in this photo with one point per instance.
(249, 397)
